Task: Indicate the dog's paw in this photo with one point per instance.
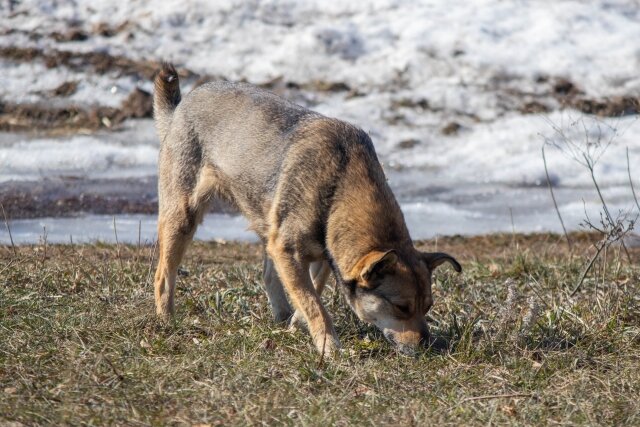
(282, 317)
(328, 346)
(297, 322)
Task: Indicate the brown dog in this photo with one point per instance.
(312, 189)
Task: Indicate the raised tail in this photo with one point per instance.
(166, 98)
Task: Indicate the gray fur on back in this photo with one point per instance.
(241, 131)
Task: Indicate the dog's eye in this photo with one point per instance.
(404, 309)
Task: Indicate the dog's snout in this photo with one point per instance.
(408, 343)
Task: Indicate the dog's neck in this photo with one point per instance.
(367, 218)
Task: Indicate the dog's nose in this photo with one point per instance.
(389, 336)
(406, 349)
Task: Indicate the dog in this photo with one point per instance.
(312, 189)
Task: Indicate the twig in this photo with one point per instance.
(44, 238)
(555, 204)
(113, 368)
(590, 165)
(6, 267)
(324, 343)
(513, 228)
(595, 183)
(586, 270)
(631, 181)
(115, 231)
(496, 396)
(139, 239)
(6, 222)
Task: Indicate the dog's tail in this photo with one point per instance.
(166, 98)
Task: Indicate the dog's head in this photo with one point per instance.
(393, 291)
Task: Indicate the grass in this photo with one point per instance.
(79, 343)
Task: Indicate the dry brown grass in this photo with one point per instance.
(79, 343)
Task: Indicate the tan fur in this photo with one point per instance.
(311, 187)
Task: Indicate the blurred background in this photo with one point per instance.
(459, 98)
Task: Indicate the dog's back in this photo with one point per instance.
(245, 139)
(244, 133)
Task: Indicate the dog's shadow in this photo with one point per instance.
(440, 344)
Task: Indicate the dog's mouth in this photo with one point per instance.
(406, 349)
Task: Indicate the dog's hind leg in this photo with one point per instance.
(275, 291)
(178, 219)
(319, 272)
(175, 231)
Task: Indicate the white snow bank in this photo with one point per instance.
(370, 45)
(508, 151)
(131, 153)
(32, 82)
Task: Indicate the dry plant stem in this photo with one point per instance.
(595, 183)
(588, 267)
(590, 165)
(139, 240)
(497, 396)
(115, 232)
(635, 198)
(44, 238)
(513, 228)
(152, 260)
(6, 223)
(553, 197)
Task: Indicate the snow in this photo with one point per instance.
(413, 67)
(433, 47)
(132, 153)
(508, 151)
(27, 85)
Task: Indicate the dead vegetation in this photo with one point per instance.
(27, 117)
(551, 94)
(81, 345)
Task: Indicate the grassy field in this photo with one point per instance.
(79, 343)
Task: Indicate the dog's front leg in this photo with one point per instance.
(319, 272)
(294, 274)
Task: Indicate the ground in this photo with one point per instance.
(81, 344)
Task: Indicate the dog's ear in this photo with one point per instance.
(434, 259)
(375, 263)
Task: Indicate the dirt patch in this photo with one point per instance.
(71, 196)
(73, 35)
(557, 92)
(98, 62)
(569, 95)
(105, 30)
(421, 103)
(138, 104)
(451, 128)
(24, 117)
(65, 89)
(608, 107)
(534, 107)
(406, 144)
